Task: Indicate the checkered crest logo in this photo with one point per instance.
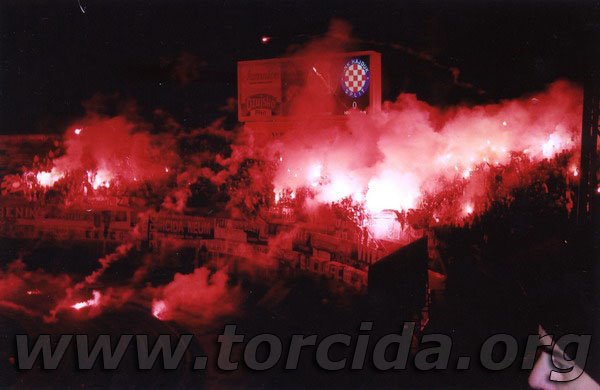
(355, 79)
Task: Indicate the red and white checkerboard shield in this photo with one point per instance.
(355, 80)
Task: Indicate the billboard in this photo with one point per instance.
(281, 88)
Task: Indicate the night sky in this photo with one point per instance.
(180, 56)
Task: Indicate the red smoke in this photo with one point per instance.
(391, 159)
(117, 146)
(30, 292)
(196, 299)
(428, 165)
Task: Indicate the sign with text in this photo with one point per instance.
(282, 88)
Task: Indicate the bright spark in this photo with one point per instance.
(90, 302)
(158, 309)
